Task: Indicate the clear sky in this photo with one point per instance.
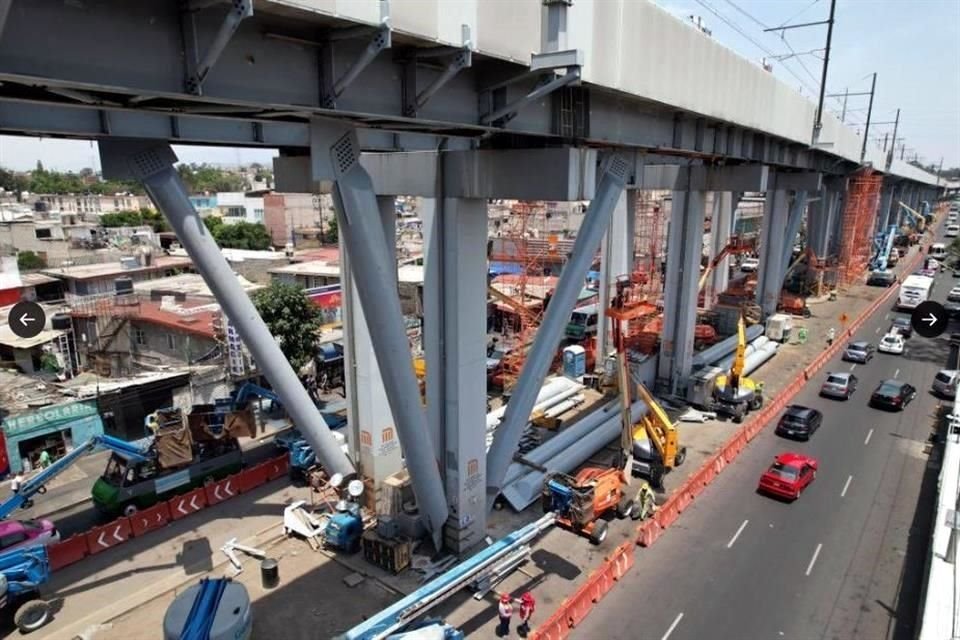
(913, 45)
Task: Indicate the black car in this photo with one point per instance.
(799, 422)
(893, 394)
(952, 308)
(901, 325)
(881, 279)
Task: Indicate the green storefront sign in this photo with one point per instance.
(48, 417)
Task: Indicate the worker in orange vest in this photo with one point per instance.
(505, 610)
(527, 606)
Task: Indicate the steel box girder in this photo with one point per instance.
(133, 55)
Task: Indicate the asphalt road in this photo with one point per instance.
(844, 561)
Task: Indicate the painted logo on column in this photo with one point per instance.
(474, 478)
(366, 438)
(388, 441)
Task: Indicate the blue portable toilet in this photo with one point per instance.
(574, 361)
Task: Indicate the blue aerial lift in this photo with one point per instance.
(883, 245)
(36, 484)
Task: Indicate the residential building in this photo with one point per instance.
(205, 204)
(186, 286)
(89, 204)
(298, 218)
(38, 416)
(84, 280)
(240, 206)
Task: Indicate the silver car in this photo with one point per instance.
(839, 385)
(945, 383)
(860, 351)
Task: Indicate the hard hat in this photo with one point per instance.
(505, 598)
(527, 597)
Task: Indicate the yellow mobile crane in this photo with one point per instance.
(734, 394)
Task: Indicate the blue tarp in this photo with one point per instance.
(502, 268)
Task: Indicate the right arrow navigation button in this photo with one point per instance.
(929, 319)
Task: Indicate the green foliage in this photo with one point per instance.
(42, 181)
(12, 181)
(292, 319)
(134, 219)
(203, 177)
(28, 261)
(49, 363)
(331, 235)
(239, 235)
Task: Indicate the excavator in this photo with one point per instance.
(734, 394)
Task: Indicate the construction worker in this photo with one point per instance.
(505, 610)
(527, 607)
(831, 334)
(44, 459)
(16, 481)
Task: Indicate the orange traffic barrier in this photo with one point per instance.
(149, 519)
(190, 502)
(109, 535)
(224, 490)
(68, 551)
(576, 608)
(252, 478)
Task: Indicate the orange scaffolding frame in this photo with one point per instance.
(859, 218)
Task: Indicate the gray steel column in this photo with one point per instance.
(837, 203)
(883, 213)
(433, 311)
(362, 233)
(612, 177)
(721, 228)
(152, 164)
(615, 253)
(684, 251)
(797, 208)
(464, 227)
(819, 223)
(378, 448)
(770, 280)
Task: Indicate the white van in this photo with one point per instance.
(914, 290)
(938, 250)
(953, 230)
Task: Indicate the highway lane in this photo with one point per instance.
(741, 565)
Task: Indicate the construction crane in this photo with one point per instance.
(919, 220)
(734, 394)
(883, 244)
(135, 451)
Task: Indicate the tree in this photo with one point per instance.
(331, 235)
(203, 177)
(241, 235)
(292, 319)
(28, 261)
(128, 218)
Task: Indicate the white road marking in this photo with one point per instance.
(814, 558)
(737, 534)
(853, 366)
(869, 435)
(896, 373)
(676, 621)
(877, 330)
(846, 486)
(887, 317)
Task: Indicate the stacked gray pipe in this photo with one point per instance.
(576, 445)
(725, 347)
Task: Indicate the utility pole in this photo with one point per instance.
(818, 123)
(896, 124)
(843, 113)
(939, 170)
(823, 79)
(866, 130)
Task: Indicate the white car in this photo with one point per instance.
(953, 230)
(749, 265)
(891, 343)
(954, 293)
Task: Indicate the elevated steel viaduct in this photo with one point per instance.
(457, 102)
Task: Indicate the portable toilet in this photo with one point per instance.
(574, 361)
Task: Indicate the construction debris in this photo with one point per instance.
(231, 546)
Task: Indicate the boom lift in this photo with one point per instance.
(22, 571)
(658, 430)
(734, 246)
(734, 394)
(36, 484)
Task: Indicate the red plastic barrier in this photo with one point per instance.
(109, 535)
(277, 467)
(683, 498)
(647, 533)
(223, 490)
(667, 513)
(149, 519)
(733, 447)
(191, 502)
(252, 478)
(65, 553)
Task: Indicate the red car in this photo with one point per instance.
(788, 476)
